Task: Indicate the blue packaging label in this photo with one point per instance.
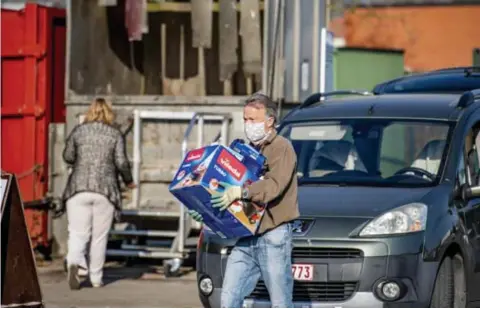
(252, 159)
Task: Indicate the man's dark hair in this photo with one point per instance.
(259, 100)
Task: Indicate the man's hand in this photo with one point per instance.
(195, 215)
(131, 185)
(227, 197)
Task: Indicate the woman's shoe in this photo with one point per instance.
(73, 279)
(97, 284)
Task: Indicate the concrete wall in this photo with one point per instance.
(58, 176)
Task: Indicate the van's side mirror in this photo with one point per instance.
(469, 193)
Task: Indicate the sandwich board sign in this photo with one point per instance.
(17, 253)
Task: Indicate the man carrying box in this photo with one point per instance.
(268, 253)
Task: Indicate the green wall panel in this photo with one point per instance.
(364, 68)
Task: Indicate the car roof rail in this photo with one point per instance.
(468, 98)
(316, 97)
(468, 71)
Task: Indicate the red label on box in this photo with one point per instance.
(195, 155)
(231, 164)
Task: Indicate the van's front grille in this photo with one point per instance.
(322, 253)
(312, 291)
(326, 253)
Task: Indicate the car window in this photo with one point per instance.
(473, 159)
(422, 146)
(468, 168)
(380, 152)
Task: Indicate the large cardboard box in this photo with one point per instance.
(202, 173)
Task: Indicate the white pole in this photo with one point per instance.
(137, 140)
(315, 45)
(296, 50)
(323, 50)
(266, 45)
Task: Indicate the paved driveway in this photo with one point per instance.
(136, 286)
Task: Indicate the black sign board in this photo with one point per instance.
(20, 286)
(476, 57)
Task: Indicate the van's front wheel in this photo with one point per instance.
(443, 290)
(459, 282)
(450, 285)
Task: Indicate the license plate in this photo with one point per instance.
(302, 272)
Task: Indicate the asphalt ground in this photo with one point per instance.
(140, 285)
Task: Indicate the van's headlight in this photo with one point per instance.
(405, 219)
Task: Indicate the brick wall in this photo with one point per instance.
(432, 36)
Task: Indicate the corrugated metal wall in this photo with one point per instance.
(32, 92)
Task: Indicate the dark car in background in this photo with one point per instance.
(451, 80)
(389, 196)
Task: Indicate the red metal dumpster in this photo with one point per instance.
(32, 97)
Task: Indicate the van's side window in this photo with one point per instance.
(474, 160)
(469, 164)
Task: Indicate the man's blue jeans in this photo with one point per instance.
(267, 256)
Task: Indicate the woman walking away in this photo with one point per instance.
(96, 150)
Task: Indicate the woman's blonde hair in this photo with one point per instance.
(100, 111)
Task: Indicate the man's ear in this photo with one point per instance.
(271, 122)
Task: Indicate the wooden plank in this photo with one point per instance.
(228, 43)
(227, 87)
(100, 51)
(152, 62)
(201, 18)
(156, 100)
(101, 62)
(249, 84)
(172, 69)
(163, 53)
(168, 6)
(201, 71)
(250, 23)
(214, 85)
(182, 52)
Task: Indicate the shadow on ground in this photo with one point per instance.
(116, 271)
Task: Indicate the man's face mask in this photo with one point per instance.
(257, 124)
(255, 131)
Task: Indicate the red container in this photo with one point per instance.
(32, 97)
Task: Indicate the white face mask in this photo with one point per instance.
(255, 131)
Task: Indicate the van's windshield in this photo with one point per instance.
(370, 152)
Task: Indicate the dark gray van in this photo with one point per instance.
(389, 195)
